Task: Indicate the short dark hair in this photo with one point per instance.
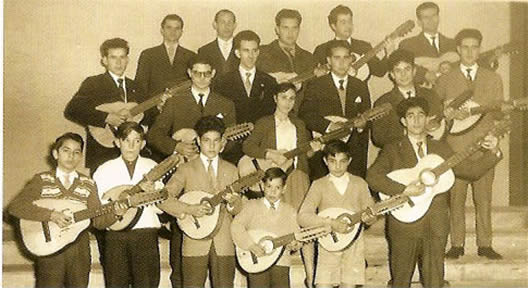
(288, 14)
(127, 127)
(398, 56)
(67, 136)
(172, 17)
(335, 146)
(468, 33)
(246, 35)
(273, 173)
(199, 59)
(224, 11)
(113, 44)
(412, 102)
(283, 87)
(338, 10)
(209, 123)
(333, 44)
(426, 5)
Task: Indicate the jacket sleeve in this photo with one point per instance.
(239, 225)
(309, 111)
(307, 213)
(81, 108)
(22, 205)
(159, 135)
(143, 72)
(253, 144)
(377, 174)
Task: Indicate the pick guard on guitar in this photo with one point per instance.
(422, 203)
(253, 264)
(335, 241)
(105, 136)
(33, 233)
(198, 227)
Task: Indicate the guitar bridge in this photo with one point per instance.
(46, 231)
(334, 237)
(254, 258)
(196, 223)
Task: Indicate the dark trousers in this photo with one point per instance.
(68, 268)
(132, 258)
(221, 270)
(274, 277)
(428, 252)
(176, 256)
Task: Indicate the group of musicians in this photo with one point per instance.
(291, 96)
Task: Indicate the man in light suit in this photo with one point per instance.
(220, 51)
(208, 173)
(343, 97)
(487, 89)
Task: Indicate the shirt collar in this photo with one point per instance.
(167, 45)
(404, 92)
(205, 161)
(243, 71)
(59, 173)
(268, 204)
(115, 77)
(349, 39)
(195, 93)
(343, 178)
(336, 80)
(429, 36)
(473, 68)
(222, 42)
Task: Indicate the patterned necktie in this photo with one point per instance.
(468, 71)
(202, 106)
(172, 53)
(122, 92)
(211, 174)
(342, 95)
(247, 83)
(433, 42)
(290, 52)
(421, 153)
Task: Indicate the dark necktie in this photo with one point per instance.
(410, 94)
(468, 71)
(421, 153)
(433, 41)
(342, 95)
(202, 106)
(273, 206)
(121, 89)
(290, 52)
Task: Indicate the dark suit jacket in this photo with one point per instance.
(376, 66)
(94, 91)
(421, 47)
(260, 101)
(322, 99)
(212, 52)
(265, 137)
(400, 155)
(273, 59)
(183, 112)
(389, 128)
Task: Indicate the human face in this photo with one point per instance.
(201, 75)
(469, 50)
(211, 144)
(171, 31)
(248, 54)
(343, 27)
(130, 146)
(288, 31)
(225, 25)
(414, 121)
(337, 164)
(68, 156)
(340, 61)
(403, 74)
(116, 61)
(429, 20)
(273, 189)
(285, 101)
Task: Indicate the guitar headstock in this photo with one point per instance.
(388, 205)
(377, 112)
(402, 29)
(163, 167)
(147, 198)
(238, 131)
(312, 233)
(247, 181)
(461, 99)
(520, 104)
(508, 48)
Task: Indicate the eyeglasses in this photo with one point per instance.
(205, 74)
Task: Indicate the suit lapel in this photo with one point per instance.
(111, 86)
(408, 153)
(257, 87)
(334, 94)
(430, 49)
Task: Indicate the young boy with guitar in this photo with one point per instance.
(132, 255)
(70, 267)
(423, 238)
(208, 173)
(270, 214)
(344, 193)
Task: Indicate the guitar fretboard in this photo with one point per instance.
(155, 100)
(94, 212)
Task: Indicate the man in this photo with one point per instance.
(423, 241)
(220, 51)
(283, 58)
(340, 20)
(165, 65)
(487, 88)
(402, 71)
(429, 43)
(249, 88)
(335, 98)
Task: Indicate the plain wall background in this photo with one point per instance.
(50, 47)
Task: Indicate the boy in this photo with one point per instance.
(273, 215)
(339, 189)
(421, 242)
(70, 267)
(210, 174)
(131, 255)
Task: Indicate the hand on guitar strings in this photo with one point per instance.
(414, 189)
(368, 218)
(60, 219)
(231, 198)
(337, 225)
(186, 148)
(164, 97)
(198, 210)
(147, 186)
(294, 245)
(257, 250)
(491, 143)
(276, 156)
(120, 208)
(316, 146)
(458, 114)
(116, 119)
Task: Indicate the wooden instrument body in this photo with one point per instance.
(253, 264)
(132, 214)
(336, 241)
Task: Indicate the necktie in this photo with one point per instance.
(410, 94)
(211, 174)
(342, 95)
(290, 52)
(433, 41)
(172, 53)
(202, 106)
(468, 71)
(421, 153)
(247, 83)
(66, 183)
(122, 92)
(273, 206)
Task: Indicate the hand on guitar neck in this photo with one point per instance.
(277, 156)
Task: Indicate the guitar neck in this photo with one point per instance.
(461, 99)
(283, 240)
(218, 197)
(367, 56)
(456, 159)
(302, 77)
(155, 100)
(94, 212)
